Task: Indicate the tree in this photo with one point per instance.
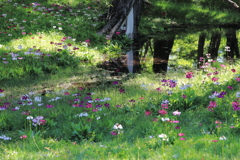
(118, 14)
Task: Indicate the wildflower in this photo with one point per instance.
(114, 133)
(66, 93)
(87, 40)
(182, 138)
(162, 112)
(189, 75)
(23, 136)
(230, 87)
(215, 79)
(147, 113)
(222, 138)
(115, 82)
(184, 96)
(238, 94)
(49, 106)
(29, 117)
(238, 79)
(181, 134)
(5, 137)
(39, 120)
(201, 59)
(176, 113)
(158, 89)
(117, 33)
(84, 114)
(214, 140)
(177, 127)
(233, 70)
(163, 136)
(121, 90)
(117, 126)
(165, 119)
(222, 65)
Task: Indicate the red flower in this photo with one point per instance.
(189, 75)
(162, 112)
(233, 70)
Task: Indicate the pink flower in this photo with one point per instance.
(222, 65)
(214, 140)
(88, 40)
(117, 33)
(162, 112)
(181, 134)
(233, 70)
(230, 87)
(182, 139)
(184, 96)
(189, 75)
(238, 79)
(177, 127)
(215, 79)
(148, 113)
(66, 93)
(176, 113)
(23, 136)
(114, 133)
(23, 32)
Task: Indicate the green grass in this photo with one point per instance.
(81, 105)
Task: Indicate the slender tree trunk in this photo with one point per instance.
(214, 45)
(162, 50)
(201, 43)
(232, 42)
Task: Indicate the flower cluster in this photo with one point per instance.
(216, 94)
(236, 105)
(117, 129)
(170, 83)
(39, 120)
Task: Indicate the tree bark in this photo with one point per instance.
(214, 45)
(232, 42)
(118, 13)
(162, 50)
(201, 43)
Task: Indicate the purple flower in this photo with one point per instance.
(49, 106)
(107, 105)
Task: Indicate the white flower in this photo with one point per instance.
(29, 117)
(165, 119)
(222, 138)
(5, 137)
(54, 26)
(238, 94)
(1, 94)
(83, 114)
(151, 137)
(38, 99)
(117, 126)
(163, 136)
(17, 107)
(40, 104)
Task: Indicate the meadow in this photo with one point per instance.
(56, 104)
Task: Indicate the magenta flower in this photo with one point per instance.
(49, 106)
(147, 113)
(181, 134)
(23, 136)
(182, 139)
(230, 87)
(233, 70)
(162, 112)
(1, 90)
(87, 40)
(184, 96)
(222, 65)
(114, 133)
(189, 75)
(215, 79)
(121, 90)
(214, 140)
(117, 33)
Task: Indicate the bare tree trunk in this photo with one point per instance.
(162, 50)
(118, 13)
(214, 45)
(232, 42)
(201, 42)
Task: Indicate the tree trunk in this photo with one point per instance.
(162, 50)
(214, 45)
(118, 13)
(232, 42)
(201, 42)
